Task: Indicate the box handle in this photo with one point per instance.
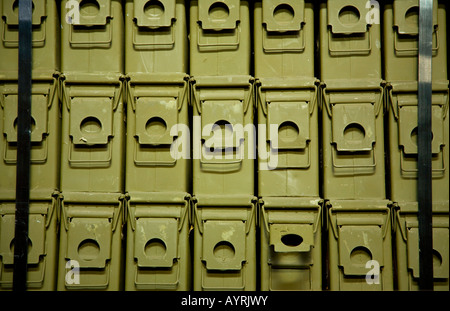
(266, 221)
(220, 45)
(239, 288)
(267, 49)
(156, 285)
(399, 50)
(415, 170)
(35, 42)
(371, 165)
(343, 209)
(351, 51)
(92, 43)
(199, 222)
(246, 100)
(312, 102)
(377, 107)
(155, 45)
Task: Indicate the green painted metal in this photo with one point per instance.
(158, 171)
(360, 247)
(401, 70)
(359, 223)
(224, 243)
(92, 153)
(288, 138)
(90, 249)
(291, 243)
(45, 142)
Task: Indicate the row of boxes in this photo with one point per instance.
(45, 142)
(321, 172)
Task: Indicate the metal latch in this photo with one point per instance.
(293, 124)
(406, 23)
(440, 250)
(154, 14)
(353, 126)
(218, 14)
(158, 18)
(283, 15)
(407, 11)
(154, 120)
(407, 122)
(224, 244)
(11, 12)
(347, 17)
(156, 242)
(287, 238)
(95, 15)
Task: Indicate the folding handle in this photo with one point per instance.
(328, 104)
(35, 42)
(164, 13)
(218, 15)
(219, 44)
(268, 49)
(373, 163)
(351, 51)
(91, 43)
(158, 285)
(273, 9)
(315, 223)
(218, 288)
(10, 12)
(168, 44)
(334, 225)
(405, 50)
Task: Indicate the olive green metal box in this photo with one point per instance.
(224, 242)
(92, 153)
(291, 243)
(401, 50)
(45, 143)
(158, 134)
(219, 38)
(288, 134)
(158, 173)
(222, 97)
(352, 102)
(45, 38)
(156, 36)
(92, 98)
(223, 135)
(43, 246)
(90, 250)
(406, 227)
(158, 252)
(359, 245)
(94, 42)
(401, 24)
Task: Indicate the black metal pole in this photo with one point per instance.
(424, 145)
(23, 147)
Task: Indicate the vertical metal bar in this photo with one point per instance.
(424, 145)
(23, 147)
